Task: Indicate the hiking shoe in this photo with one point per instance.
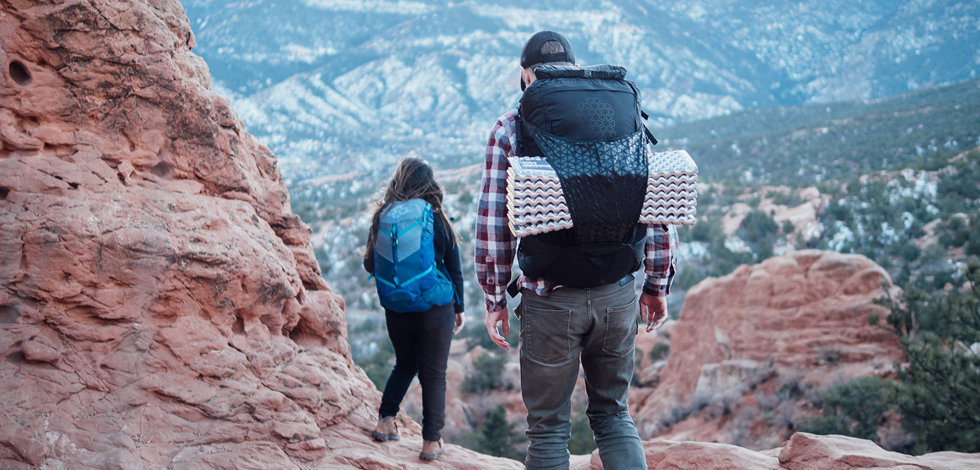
(386, 430)
(431, 450)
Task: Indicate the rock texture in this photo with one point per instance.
(749, 344)
(160, 306)
(809, 452)
(802, 452)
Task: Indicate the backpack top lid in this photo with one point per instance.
(603, 72)
(580, 104)
(406, 222)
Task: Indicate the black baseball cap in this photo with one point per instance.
(531, 55)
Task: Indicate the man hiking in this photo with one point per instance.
(578, 300)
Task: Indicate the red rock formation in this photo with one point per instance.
(160, 306)
(799, 321)
(802, 452)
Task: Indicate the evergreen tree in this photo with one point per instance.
(583, 440)
(497, 436)
(938, 392)
(756, 226)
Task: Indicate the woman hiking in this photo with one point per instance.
(413, 253)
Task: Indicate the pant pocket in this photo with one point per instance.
(619, 336)
(545, 334)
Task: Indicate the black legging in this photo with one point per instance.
(421, 342)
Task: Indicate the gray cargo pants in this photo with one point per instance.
(599, 326)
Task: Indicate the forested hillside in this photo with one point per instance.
(805, 145)
(896, 178)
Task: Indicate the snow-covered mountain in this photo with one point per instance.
(348, 86)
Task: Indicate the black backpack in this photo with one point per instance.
(587, 123)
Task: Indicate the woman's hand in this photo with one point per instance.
(460, 321)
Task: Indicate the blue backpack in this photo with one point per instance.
(404, 259)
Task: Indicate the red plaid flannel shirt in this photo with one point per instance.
(496, 246)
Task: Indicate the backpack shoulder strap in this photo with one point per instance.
(518, 135)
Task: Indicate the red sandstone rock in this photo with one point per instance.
(703, 456)
(802, 452)
(674, 455)
(160, 306)
(796, 319)
(811, 452)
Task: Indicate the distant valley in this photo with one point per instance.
(337, 86)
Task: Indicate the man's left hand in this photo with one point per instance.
(653, 311)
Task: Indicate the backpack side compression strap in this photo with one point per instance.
(646, 130)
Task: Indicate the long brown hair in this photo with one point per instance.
(413, 179)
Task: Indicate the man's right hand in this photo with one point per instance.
(492, 319)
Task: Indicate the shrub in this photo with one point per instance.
(788, 227)
(659, 351)
(853, 409)
(701, 232)
(688, 277)
(789, 198)
(378, 366)
(485, 374)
